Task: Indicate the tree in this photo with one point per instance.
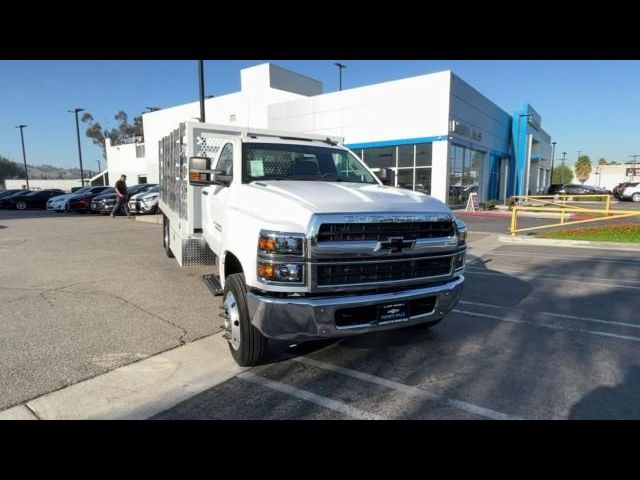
(123, 131)
(561, 175)
(9, 169)
(602, 161)
(583, 168)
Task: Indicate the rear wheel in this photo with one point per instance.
(166, 236)
(248, 346)
(636, 197)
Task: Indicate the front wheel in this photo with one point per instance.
(21, 205)
(248, 346)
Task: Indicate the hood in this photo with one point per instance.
(293, 202)
(146, 196)
(66, 196)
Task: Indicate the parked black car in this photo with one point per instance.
(36, 199)
(105, 203)
(554, 188)
(7, 193)
(575, 189)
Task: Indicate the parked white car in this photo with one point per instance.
(145, 202)
(61, 202)
(631, 192)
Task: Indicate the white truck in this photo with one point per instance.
(309, 242)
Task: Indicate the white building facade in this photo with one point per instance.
(439, 135)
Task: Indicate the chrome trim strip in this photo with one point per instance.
(384, 260)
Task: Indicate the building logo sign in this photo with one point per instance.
(632, 172)
(534, 121)
(465, 130)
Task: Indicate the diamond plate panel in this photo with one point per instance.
(195, 252)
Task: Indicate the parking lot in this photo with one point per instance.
(540, 332)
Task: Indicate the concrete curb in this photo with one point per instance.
(156, 219)
(551, 242)
(139, 390)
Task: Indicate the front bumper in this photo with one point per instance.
(310, 318)
(140, 207)
(101, 207)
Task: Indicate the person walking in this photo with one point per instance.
(121, 197)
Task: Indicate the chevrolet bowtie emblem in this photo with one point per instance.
(395, 245)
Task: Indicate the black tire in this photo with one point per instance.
(166, 236)
(253, 345)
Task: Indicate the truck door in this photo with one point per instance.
(215, 196)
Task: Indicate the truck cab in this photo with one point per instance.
(309, 242)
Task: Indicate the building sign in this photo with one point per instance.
(459, 127)
(632, 172)
(534, 121)
(473, 203)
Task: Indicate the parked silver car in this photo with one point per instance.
(145, 202)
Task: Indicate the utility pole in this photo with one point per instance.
(76, 111)
(24, 155)
(201, 84)
(633, 172)
(340, 67)
(564, 159)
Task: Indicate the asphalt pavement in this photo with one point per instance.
(540, 332)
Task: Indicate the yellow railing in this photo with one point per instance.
(563, 209)
(563, 200)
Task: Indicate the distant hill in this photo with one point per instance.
(9, 169)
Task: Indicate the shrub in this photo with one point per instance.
(490, 204)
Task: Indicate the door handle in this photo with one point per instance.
(205, 192)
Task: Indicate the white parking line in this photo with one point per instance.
(553, 327)
(308, 396)
(407, 389)
(525, 274)
(559, 315)
(532, 255)
(553, 275)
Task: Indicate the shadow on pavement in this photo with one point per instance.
(620, 402)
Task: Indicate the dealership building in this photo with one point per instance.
(440, 135)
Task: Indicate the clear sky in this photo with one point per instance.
(591, 106)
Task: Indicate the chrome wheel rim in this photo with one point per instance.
(636, 197)
(21, 205)
(232, 320)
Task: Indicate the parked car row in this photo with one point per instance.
(143, 198)
(575, 189)
(627, 191)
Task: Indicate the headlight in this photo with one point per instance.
(281, 272)
(462, 233)
(275, 243)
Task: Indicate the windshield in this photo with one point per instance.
(269, 161)
(82, 190)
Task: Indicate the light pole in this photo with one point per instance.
(201, 85)
(564, 159)
(76, 111)
(553, 158)
(24, 155)
(340, 67)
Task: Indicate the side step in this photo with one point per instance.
(213, 284)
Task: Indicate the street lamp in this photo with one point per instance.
(24, 156)
(340, 67)
(76, 111)
(553, 157)
(201, 85)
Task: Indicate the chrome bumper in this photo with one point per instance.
(309, 318)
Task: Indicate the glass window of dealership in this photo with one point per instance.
(411, 163)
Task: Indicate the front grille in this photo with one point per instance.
(356, 273)
(381, 231)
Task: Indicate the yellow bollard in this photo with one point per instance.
(514, 221)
